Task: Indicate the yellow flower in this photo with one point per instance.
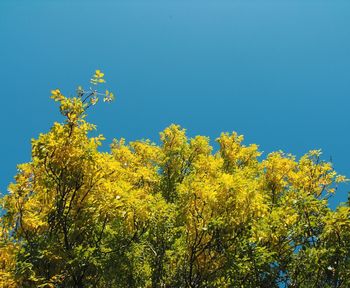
(99, 74)
(56, 92)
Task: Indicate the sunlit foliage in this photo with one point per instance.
(178, 214)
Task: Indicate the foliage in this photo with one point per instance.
(170, 215)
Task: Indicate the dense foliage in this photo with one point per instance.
(170, 215)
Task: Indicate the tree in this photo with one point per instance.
(170, 215)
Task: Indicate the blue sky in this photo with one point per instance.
(276, 71)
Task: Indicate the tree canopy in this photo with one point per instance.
(178, 214)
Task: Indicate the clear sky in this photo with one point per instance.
(276, 71)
